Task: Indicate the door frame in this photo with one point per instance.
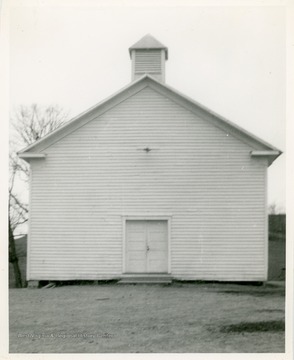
(143, 217)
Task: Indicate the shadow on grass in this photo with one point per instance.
(261, 292)
(259, 326)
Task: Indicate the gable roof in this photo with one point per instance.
(149, 42)
(260, 147)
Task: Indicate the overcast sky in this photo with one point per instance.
(230, 59)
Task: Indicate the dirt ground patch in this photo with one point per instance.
(147, 318)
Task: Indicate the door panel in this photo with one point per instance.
(157, 244)
(146, 246)
(136, 246)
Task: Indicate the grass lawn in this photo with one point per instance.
(181, 317)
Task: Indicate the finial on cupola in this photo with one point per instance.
(148, 57)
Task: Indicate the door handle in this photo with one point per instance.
(148, 248)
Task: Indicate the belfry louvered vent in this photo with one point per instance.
(148, 62)
(148, 57)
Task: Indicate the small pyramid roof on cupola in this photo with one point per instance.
(149, 42)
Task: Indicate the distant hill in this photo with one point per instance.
(277, 226)
(277, 246)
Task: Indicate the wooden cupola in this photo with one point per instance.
(148, 57)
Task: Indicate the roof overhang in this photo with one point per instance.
(271, 155)
(30, 156)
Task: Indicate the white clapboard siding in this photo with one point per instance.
(202, 177)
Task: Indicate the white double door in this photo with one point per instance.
(146, 246)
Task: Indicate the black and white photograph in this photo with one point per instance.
(146, 198)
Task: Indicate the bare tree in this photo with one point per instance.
(273, 209)
(29, 124)
(13, 259)
(33, 122)
(18, 208)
